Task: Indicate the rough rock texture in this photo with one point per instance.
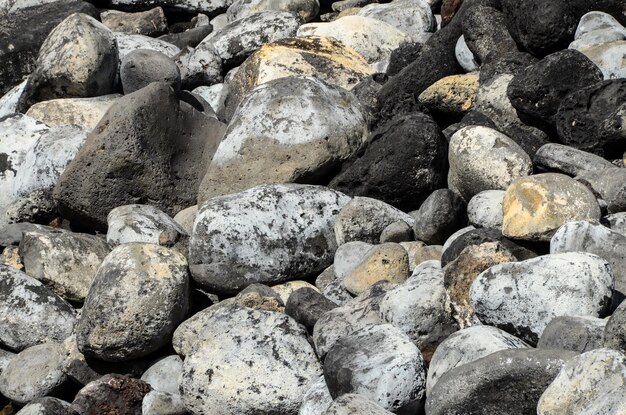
(441, 214)
(615, 330)
(307, 305)
(240, 239)
(84, 112)
(610, 185)
(485, 209)
(149, 23)
(116, 394)
(576, 333)
(46, 406)
(453, 95)
(388, 261)
(143, 224)
(306, 9)
(559, 158)
(354, 404)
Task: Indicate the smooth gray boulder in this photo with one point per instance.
(164, 374)
(575, 333)
(559, 158)
(141, 67)
(610, 184)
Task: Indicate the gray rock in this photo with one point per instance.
(615, 329)
(398, 231)
(484, 159)
(523, 297)
(186, 217)
(142, 224)
(595, 239)
(162, 403)
(388, 262)
(190, 37)
(11, 234)
(261, 145)
(464, 56)
(364, 219)
(164, 374)
(486, 34)
(46, 406)
(116, 394)
(307, 10)
(616, 221)
(504, 382)
(610, 184)
(317, 399)
(441, 214)
(33, 373)
(249, 362)
(5, 358)
(611, 403)
(380, 363)
(9, 101)
(266, 234)
(466, 346)
(65, 262)
(128, 43)
(83, 112)
(336, 292)
(455, 236)
(141, 67)
(149, 23)
(597, 21)
(608, 57)
(155, 149)
(307, 305)
(484, 210)
(199, 66)
(564, 159)
(414, 18)
(32, 313)
(576, 333)
(583, 380)
(209, 7)
(214, 95)
(139, 295)
(417, 307)
(354, 404)
(80, 41)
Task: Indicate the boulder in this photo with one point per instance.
(142, 224)
(113, 393)
(84, 112)
(576, 333)
(141, 67)
(148, 23)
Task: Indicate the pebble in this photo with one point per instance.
(419, 253)
(484, 210)
(616, 221)
(523, 297)
(9, 101)
(464, 56)
(576, 333)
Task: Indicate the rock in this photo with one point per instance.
(336, 292)
(34, 373)
(46, 406)
(306, 10)
(609, 403)
(485, 33)
(560, 158)
(162, 403)
(415, 19)
(484, 159)
(254, 362)
(84, 112)
(464, 56)
(189, 38)
(111, 394)
(452, 95)
(398, 231)
(307, 305)
(262, 147)
(610, 184)
(9, 101)
(534, 207)
(237, 40)
(388, 261)
(139, 295)
(91, 47)
(364, 219)
(163, 375)
(615, 329)
(576, 333)
(141, 67)
(419, 253)
(523, 297)
(372, 38)
(404, 162)
(599, 240)
(417, 307)
(616, 221)
(441, 214)
(33, 314)
(199, 66)
(589, 119)
(11, 234)
(608, 57)
(583, 380)
(322, 57)
(11, 257)
(317, 399)
(20, 47)
(507, 380)
(537, 90)
(209, 7)
(379, 363)
(214, 95)
(354, 404)
(149, 23)
(128, 43)
(460, 274)
(595, 28)
(484, 210)
(157, 160)
(283, 291)
(402, 56)
(142, 224)
(266, 234)
(65, 262)
(466, 346)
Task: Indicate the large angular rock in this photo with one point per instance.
(267, 234)
(148, 147)
(78, 59)
(523, 297)
(32, 313)
(296, 129)
(139, 295)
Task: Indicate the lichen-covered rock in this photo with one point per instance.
(414, 18)
(317, 399)
(484, 209)
(139, 295)
(266, 234)
(143, 224)
(388, 262)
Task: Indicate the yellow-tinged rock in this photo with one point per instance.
(286, 289)
(534, 207)
(453, 94)
(388, 261)
(84, 112)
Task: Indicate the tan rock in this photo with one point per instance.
(259, 302)
(426, 253)
(11, 257)
(150, 22)
(461, 273)
(285, 290)
(84, 112)
(412, 249)
(455, 94)
(388, 261)
(535, 207)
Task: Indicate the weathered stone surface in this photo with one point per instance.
(46, 406)
(33, 313)
(162, 403)
(142, 224)
(535, 207)
(317, 399)
(307, 10)
(485, 33)
(306, 306)
(380, 363)
(414, 18)
(523, 297)
(149, 23)
(200, 66)
(65, 262)
(249, 362)
(484, 209)
(138, 297)
(163, 375)
(575, 333)
(84, 112)
(208, 7)
(127, 43)
(610, 185)
(354, 404)
(615, 330)
(559, 158)
(9, 101)
(388, 262)
(452, 95)
(441, 214)
(116, 394)
(141, 67)
(242, 238)
(295, 129)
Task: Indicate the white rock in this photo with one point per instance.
(317, 399)
(412, 17)
(214, 95)
(143, 224)
(126, 43)
(307, 10)
(464, 56)
(609, 57)
(8, 102)
(484, 209)
(164, 375)
(348, 256)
